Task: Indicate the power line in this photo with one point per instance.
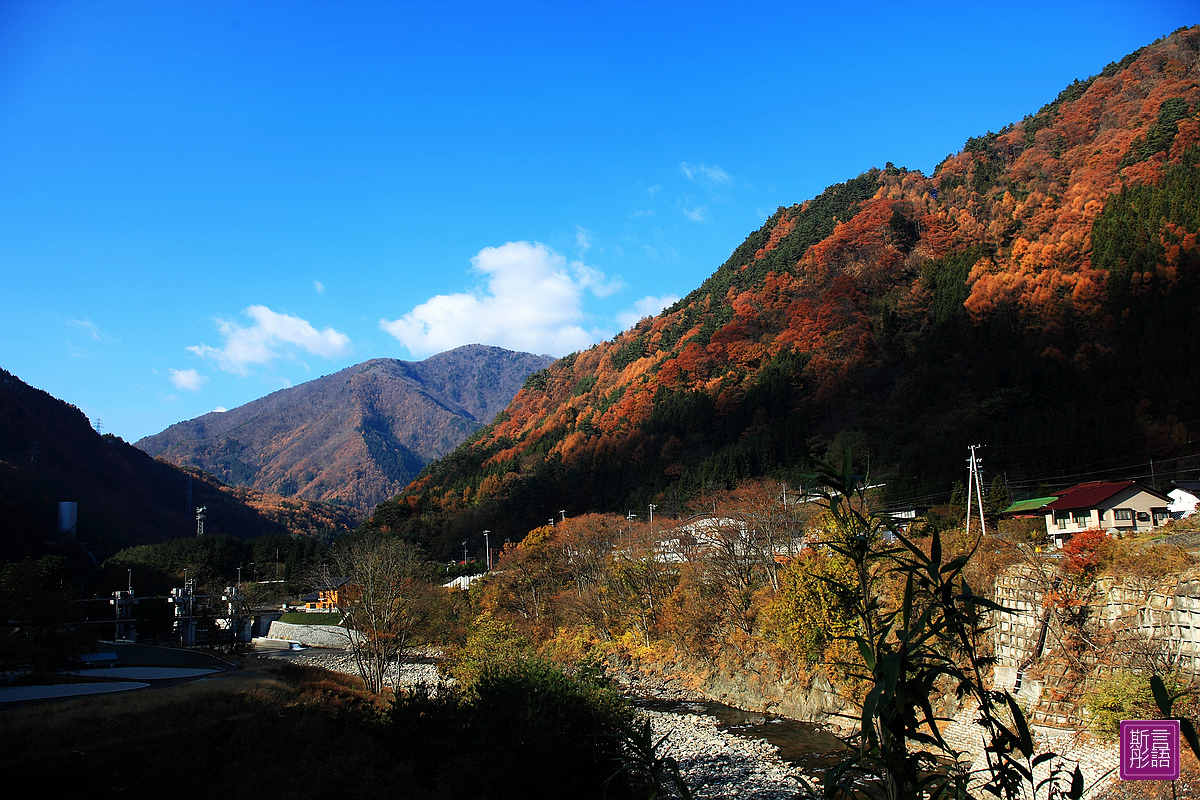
(1077, 439)
(1147, 453)
(1137, 471)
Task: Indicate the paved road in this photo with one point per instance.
(144, 655)
(137, 666)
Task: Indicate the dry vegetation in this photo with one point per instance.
(306, 731)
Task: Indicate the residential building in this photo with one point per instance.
(1034, 507)
(1185, 497)
(1120, 507)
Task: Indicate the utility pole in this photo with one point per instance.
(973, 480)
(200, 520)
(652, 507)
(487, 546)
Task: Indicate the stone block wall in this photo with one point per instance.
(1161, 616)
(1015, 635)
(1167, 615)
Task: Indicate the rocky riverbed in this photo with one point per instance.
(718, 764)
(714, 763)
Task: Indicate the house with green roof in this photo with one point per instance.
(1028, 508)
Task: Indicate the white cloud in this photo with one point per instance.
(533, 302)
(706, 175)
(273, 335)
(320, 287)
(89, 326)
(696, 214)
(648, 306)
(187, 379)
(219, 410)
(596, 281)
(583, 239)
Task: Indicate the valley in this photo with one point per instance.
(754, 497)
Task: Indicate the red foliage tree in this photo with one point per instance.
(1086, 553)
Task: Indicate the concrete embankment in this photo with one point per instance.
(333, 636)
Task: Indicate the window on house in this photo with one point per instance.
(1160, 516)
(1083, 518)
(1061, 518)
(1123, 514)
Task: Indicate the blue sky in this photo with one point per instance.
(201, 203)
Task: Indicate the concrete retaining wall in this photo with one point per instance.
(1165, 614)
(1023, 590)
(312, 635)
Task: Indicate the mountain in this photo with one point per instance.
(49, 453)
(355, 437)
(1038, 294)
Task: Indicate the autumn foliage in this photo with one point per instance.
(991, 301)
(1086, 553)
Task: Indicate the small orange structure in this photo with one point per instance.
(329, 596)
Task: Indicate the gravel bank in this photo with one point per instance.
(717, 764)
(419, 669)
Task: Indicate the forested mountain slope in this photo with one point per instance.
(49, 454)
(355, 437)
(1036, 294)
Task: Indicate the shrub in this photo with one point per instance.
(526, 728)
(552, 732)
(1087, 553)
(810, 612)
(490, 642)
(1128, 695)
(1124, 695)
(1147, 560)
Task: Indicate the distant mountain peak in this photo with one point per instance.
(356, 436)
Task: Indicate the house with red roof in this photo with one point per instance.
(1119, 507)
